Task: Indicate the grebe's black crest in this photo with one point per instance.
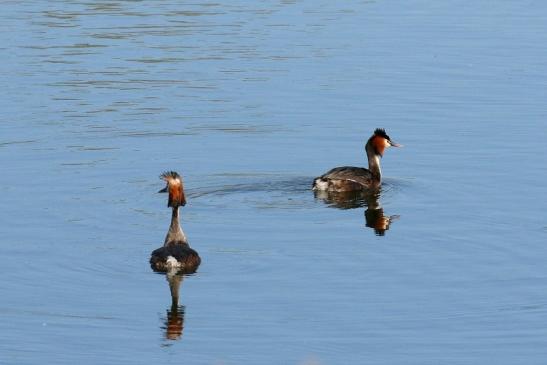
(169, 174)
(382, 133)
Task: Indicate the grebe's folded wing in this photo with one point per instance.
(359, 175)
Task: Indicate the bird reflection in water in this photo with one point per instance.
(374, 214)
(174, 322)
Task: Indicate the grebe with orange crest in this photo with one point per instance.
(176, 254)
(349, 178)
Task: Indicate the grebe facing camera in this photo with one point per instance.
(176, 254)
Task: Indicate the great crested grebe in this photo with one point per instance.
(348, 178)
(176, 254)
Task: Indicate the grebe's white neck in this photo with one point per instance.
(373, 162)
(175, 233)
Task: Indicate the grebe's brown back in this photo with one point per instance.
(349, 178)
(176, 254)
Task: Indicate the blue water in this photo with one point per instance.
(250, 101)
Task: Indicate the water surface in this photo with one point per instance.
(250, 101)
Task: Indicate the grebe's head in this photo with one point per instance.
(175, 188)
(380, 141)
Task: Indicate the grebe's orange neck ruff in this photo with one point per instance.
(175, 188)
(375, 147)
(176, 194)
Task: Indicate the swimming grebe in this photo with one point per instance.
(176, 254)
(348, 178)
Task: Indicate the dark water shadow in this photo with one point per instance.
(374, 213)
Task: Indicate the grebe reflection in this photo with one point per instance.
(374, 214)
(173, 323)
(375, 218)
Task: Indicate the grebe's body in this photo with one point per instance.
(175, 257)
(349, 178)
(176, 254)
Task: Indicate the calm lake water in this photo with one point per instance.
(250, 101)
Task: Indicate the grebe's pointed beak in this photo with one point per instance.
(393, 144)
(164, 190)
